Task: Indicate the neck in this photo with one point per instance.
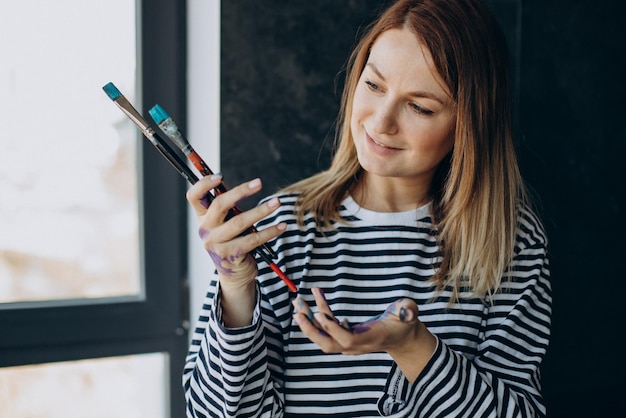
(383, 194)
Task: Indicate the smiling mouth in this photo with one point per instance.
(380, 144)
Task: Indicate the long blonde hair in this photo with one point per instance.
(478, 187)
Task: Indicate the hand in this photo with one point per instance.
(221, 235)
(390, 331)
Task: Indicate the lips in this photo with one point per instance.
(379, 144)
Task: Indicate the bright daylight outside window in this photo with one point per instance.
(118, 387)
(69, 224)
(68, 188)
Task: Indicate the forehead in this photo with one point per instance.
(399, 54)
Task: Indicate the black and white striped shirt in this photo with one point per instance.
(489, 349)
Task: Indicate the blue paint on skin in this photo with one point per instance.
(369, 324)
(206, 200)
(307, 312)
(243, 199)
(217, 260)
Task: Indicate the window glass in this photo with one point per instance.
(120, 387)
(68, 176)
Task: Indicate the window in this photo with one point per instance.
(120, 387)
(92, 220)
(68, 171)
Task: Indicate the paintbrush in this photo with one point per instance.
(170, 155)
(129, 110)
(169, 127)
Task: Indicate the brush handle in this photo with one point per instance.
(167, 125)
(263, 251)
(169, 154)
(204, 169)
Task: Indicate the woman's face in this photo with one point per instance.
(402, 118)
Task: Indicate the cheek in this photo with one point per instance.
(359, 108)
(446, 144)
(438, 139)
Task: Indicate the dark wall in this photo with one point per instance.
(572, 114)
(282, 73)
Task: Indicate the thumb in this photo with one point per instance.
(405, 310)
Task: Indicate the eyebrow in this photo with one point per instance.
(418, 93)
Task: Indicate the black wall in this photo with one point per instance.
(282, 74)
(572, 113)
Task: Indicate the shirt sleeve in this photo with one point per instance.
(503, 379)
(226, 372)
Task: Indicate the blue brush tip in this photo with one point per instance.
(158, 114)
(111, 91)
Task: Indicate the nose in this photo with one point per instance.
(385, 118)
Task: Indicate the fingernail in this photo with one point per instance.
(402, 314)
(318, 292)
(216, 176)
(272, 203)
(254, 183)
(281, 226)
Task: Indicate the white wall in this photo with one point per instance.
(203, 32)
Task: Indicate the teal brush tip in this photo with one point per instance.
(111, 91)
(158, 114)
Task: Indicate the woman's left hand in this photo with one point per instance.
(390, 331)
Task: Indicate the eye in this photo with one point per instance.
(420, 110)
(372, 86)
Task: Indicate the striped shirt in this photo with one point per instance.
(489, 349)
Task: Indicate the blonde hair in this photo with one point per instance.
(478, 187)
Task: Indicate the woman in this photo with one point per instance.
(422, 274)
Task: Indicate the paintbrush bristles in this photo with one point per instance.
(167, 125)
(122, 102)
(111, 91)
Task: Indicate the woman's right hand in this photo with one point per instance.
(222, 239)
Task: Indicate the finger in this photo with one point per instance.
(404, 310)
(198, 194)
(321, 302)
(244, 221)
(238, 228)
(219, 241)
(299, 306)
(309, 326)
(344, 340)
(222, 205)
